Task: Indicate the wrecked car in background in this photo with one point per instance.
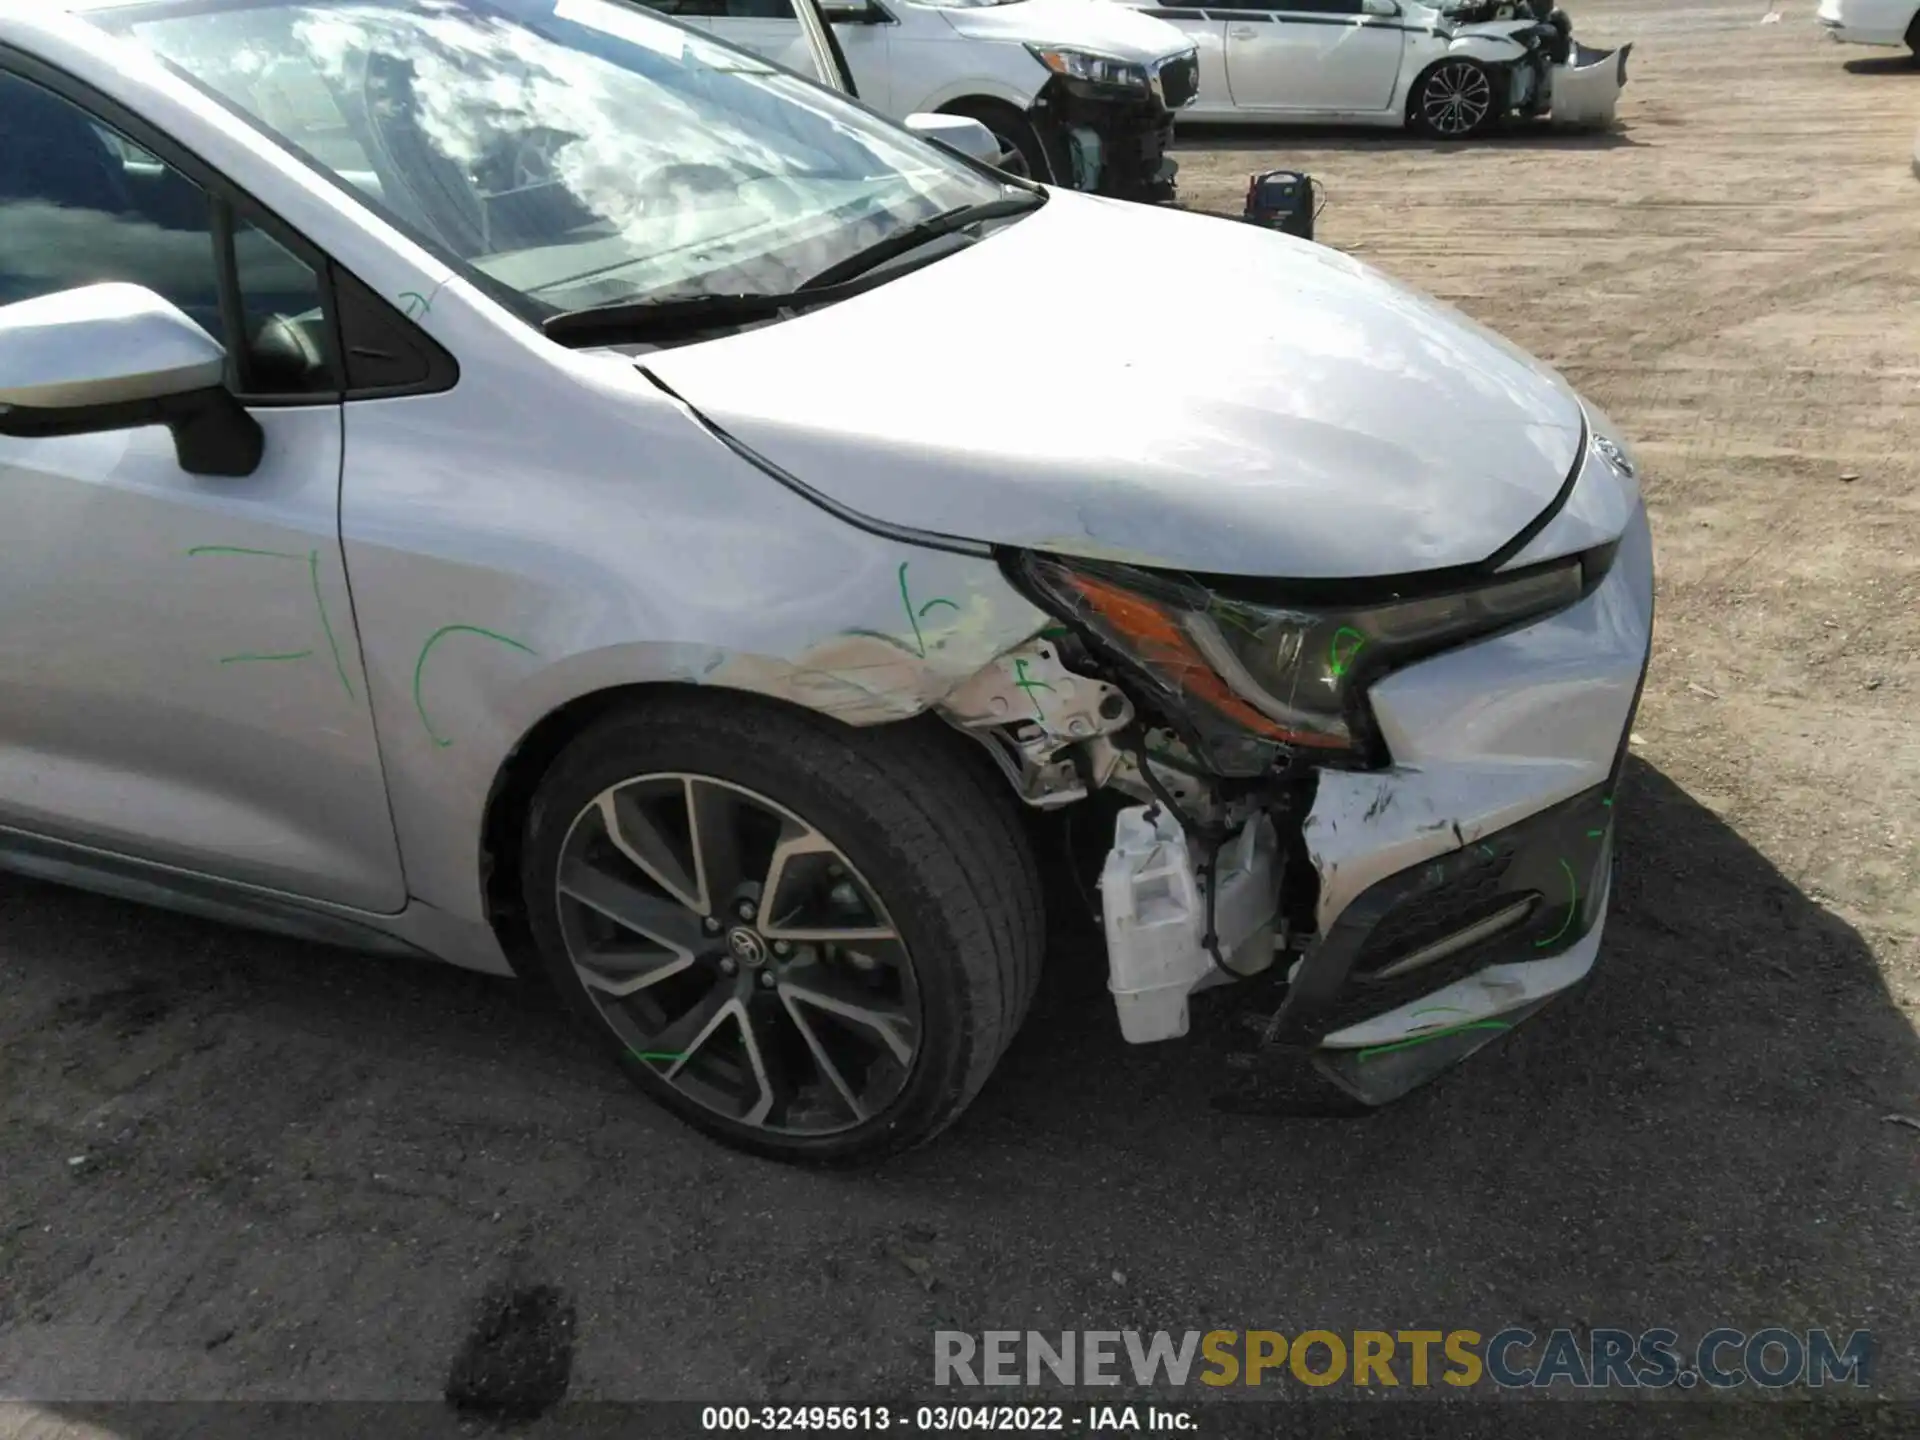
(1888, 23)
(1078, 94)
(588, 519)
(1453, 71)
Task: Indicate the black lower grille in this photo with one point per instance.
(1551, 868)
(1426, 918)
(1179, 81)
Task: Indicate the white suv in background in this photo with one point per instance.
(1078, 93)
(1873, 22)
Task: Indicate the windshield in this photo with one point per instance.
(963, 4)
(565, 153)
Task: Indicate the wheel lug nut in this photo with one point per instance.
(782, 949)
(711, 924)
(727, 967)
(766, 980)
(744, 910)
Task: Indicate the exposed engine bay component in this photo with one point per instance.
(1083, 146)
(1047, 727)
(1155, 906)
(1109, 143)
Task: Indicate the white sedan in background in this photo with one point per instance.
(1452, 69)
(1873, 22)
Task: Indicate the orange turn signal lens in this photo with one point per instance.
(1155, 637)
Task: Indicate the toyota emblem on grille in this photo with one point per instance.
(1616, 457)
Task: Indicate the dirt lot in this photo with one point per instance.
(233, 1167)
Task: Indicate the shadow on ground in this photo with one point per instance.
(1902, 64)
(301, 1174)
(1198, 135)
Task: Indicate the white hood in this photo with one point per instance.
(1094, 25)
(1106, 379)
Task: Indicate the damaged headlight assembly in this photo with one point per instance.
(1253, 679)
(1089, 68)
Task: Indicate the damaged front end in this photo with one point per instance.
(1548, 73)
(1395, 807)
(1109, 138)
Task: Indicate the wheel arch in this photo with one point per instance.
(527, 763)
(1497, 69)
(983, 91)
(517, 780)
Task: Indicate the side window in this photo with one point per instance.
(760, 9)
(81, 204)
(282, 315)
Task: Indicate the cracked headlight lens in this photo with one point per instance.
(1092, 69)
(1290, 675)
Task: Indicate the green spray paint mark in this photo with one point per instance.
(339, 665)
(1433, 1035)
(1573, 904)
(312, 559)
(243, 550)
(1031, 686)
(1595, 834)
(660, 1055)
(914, 617)
(1340, 656)
(420, 666)
(417, 305)
(1228, 616)
(242, 659)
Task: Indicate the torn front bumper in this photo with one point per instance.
(1586, 89)
(1467, 884)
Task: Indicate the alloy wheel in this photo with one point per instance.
(1012, 159)
(1457, 99)
(738, 954)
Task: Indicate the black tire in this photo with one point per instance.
(1456, 99)
(932, 839)
(1913, 37)
(1016, 135)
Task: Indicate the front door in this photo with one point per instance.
(1317, 55)
(768, 28)
(180, 674)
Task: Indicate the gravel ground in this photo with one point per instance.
(240, 1168)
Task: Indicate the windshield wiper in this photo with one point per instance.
(669, 316)
(913, 236)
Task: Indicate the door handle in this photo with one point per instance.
(1240, 32)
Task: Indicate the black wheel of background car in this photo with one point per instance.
(811, 941)
(1021, 150)
(1455, 100)
(1913, 36)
